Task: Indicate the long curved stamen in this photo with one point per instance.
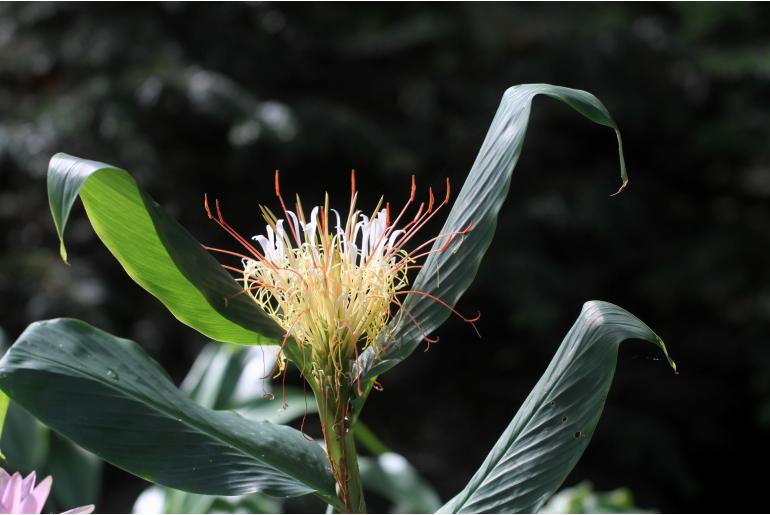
(423, 335)
(333, 283)
(446, 305)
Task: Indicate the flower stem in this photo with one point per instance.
(341, 448)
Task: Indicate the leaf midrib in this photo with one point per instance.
(217, 435)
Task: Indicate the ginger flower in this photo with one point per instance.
(331, 281)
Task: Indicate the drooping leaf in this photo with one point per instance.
(554, 425)
(129, 413)
(156, 252)
(448, 274)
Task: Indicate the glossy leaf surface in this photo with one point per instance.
(107, 395)
(557, 420)
(156, 252)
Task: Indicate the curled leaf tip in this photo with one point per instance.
(671, 362)
(622, 187)
(63, 253)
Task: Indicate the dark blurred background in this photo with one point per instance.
(195, 98)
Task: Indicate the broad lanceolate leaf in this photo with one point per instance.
(107, 395)
(554, 425)
(158, 253)
(448, 274)
(229, 377)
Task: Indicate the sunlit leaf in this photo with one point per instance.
(156, 252)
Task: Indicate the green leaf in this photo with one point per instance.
(156, 252)
(448, 274)
(4, 402)
(227, 376)
(554, 425)
(108, 396)
(393, 477)
(77, 473)
(238, 378)
(224, 376)
(25, 440)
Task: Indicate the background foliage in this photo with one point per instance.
(196, 98)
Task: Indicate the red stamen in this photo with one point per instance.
(206, 205)
(450, 238)
(436, 299)
(423, 336)
(229, 252)
(283, 206)
(219, 220)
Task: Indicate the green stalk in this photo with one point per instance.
(341, 448)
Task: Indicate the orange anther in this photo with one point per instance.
(206, 206)
(277, 184)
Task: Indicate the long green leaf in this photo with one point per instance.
(158, 253)
(448, 274)
(107, 395)
(554, 425)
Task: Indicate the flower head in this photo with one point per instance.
(20, 495)
(331, 280)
